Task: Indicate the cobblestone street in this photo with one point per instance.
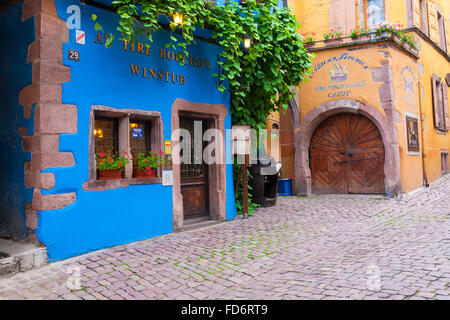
(323, 247)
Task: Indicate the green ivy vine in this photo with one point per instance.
(259, 78)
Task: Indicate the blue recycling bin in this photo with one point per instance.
(285, 187)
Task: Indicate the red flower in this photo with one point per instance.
(110, 160)
(332, 36)
(102, 154)
(161, 153)
(120, 164)
(148, 168)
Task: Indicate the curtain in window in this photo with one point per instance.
(375, 12)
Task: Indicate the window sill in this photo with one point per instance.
(101, 185)
(443, 132)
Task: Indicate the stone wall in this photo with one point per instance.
(52, 117)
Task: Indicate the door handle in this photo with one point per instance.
(350, 154)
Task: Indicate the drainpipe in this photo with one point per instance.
(425, 179)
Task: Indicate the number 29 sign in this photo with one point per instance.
(74, 55)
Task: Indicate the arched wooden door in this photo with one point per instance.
(347, 156)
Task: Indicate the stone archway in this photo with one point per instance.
(317, 115)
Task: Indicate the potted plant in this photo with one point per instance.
(309, 41)
(333, 38)
(147, 164)
(387, 30)
(360, 34)
(110, 165)
(409, 42)
(383, 30)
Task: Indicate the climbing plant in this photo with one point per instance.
(259, 79)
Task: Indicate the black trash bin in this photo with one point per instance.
(264, 182)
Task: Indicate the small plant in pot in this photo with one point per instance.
(387, 30)
(148, 163)
(333, 38)
(408, 41)
(360, 34)
(309, 41)
(110, 165)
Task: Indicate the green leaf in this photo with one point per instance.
(109, 40)
(98, 27)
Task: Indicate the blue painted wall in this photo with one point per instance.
(15, 74)
(100, 219)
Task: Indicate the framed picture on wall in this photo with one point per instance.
(412, 131)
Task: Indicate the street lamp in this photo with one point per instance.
(178, 18)
(247, 42)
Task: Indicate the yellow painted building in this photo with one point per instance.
(373, 117)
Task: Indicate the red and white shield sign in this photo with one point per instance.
(80, 37)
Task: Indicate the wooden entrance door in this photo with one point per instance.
(194, 175)
(347, 156)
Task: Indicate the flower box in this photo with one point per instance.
(309, 45)
(333, 42)
(109, 174)
(363, 38)
(413, 48)
(397, 39)
(385, 34)
(140, 174)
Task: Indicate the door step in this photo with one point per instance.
(19, 257)
(198, 223)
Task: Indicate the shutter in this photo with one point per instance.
(445, 103)
(416, 14)
(433, 24)
(447, 33)
(435, 102)
(361, 17)
(342, 15)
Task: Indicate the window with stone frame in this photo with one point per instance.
(120, 130)
(442, 32)
(106, 135)
(444, 162)
(140, 139)
(440, 104)
(424, 16)
(145, 135)
(371, 12)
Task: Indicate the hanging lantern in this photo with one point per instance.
(247, 42)
(178, 18)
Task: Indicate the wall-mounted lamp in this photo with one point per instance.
(247, 42)
(178, 18)
(133, 125)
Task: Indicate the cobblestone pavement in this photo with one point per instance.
(323, 247)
